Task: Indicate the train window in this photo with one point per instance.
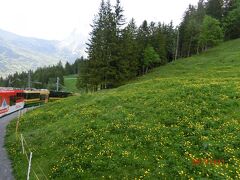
(32, 95)
(25, 96)
(20, 95)
(13, 100)
(43, 97)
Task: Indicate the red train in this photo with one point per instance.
(10, 101)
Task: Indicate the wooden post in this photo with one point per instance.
(19, 114)
(17, 128)
(29, 166)
(23, 150)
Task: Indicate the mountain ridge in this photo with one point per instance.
(20, 53)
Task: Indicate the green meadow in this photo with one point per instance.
(181, 120)
(70, 83)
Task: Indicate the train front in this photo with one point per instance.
(10, 101)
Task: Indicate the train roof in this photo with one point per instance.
(14, 90)
(9, 90)
(37, 91)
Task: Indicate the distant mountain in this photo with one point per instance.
(75, 43)
(18, 53)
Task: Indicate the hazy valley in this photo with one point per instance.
(18, 53)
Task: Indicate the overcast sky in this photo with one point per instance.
(56, 19)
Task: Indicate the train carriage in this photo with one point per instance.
(35, 97)
(10, 101)
(56, 95)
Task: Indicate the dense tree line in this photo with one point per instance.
(119, 51)
(43, 77)
(207, 24)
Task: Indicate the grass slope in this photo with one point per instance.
(152, 128)
(70, 83)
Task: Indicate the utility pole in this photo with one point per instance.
(29, 79)
(9, 82)
(176, 53)
(57, 83)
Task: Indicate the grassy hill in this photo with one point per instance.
(158, 126)
(70, 83)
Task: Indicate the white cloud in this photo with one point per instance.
(56, 19)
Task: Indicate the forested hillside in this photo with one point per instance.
(119, 51)
(43, 77)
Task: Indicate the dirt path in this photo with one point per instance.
(5, 164)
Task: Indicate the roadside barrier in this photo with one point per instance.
(26, 150)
